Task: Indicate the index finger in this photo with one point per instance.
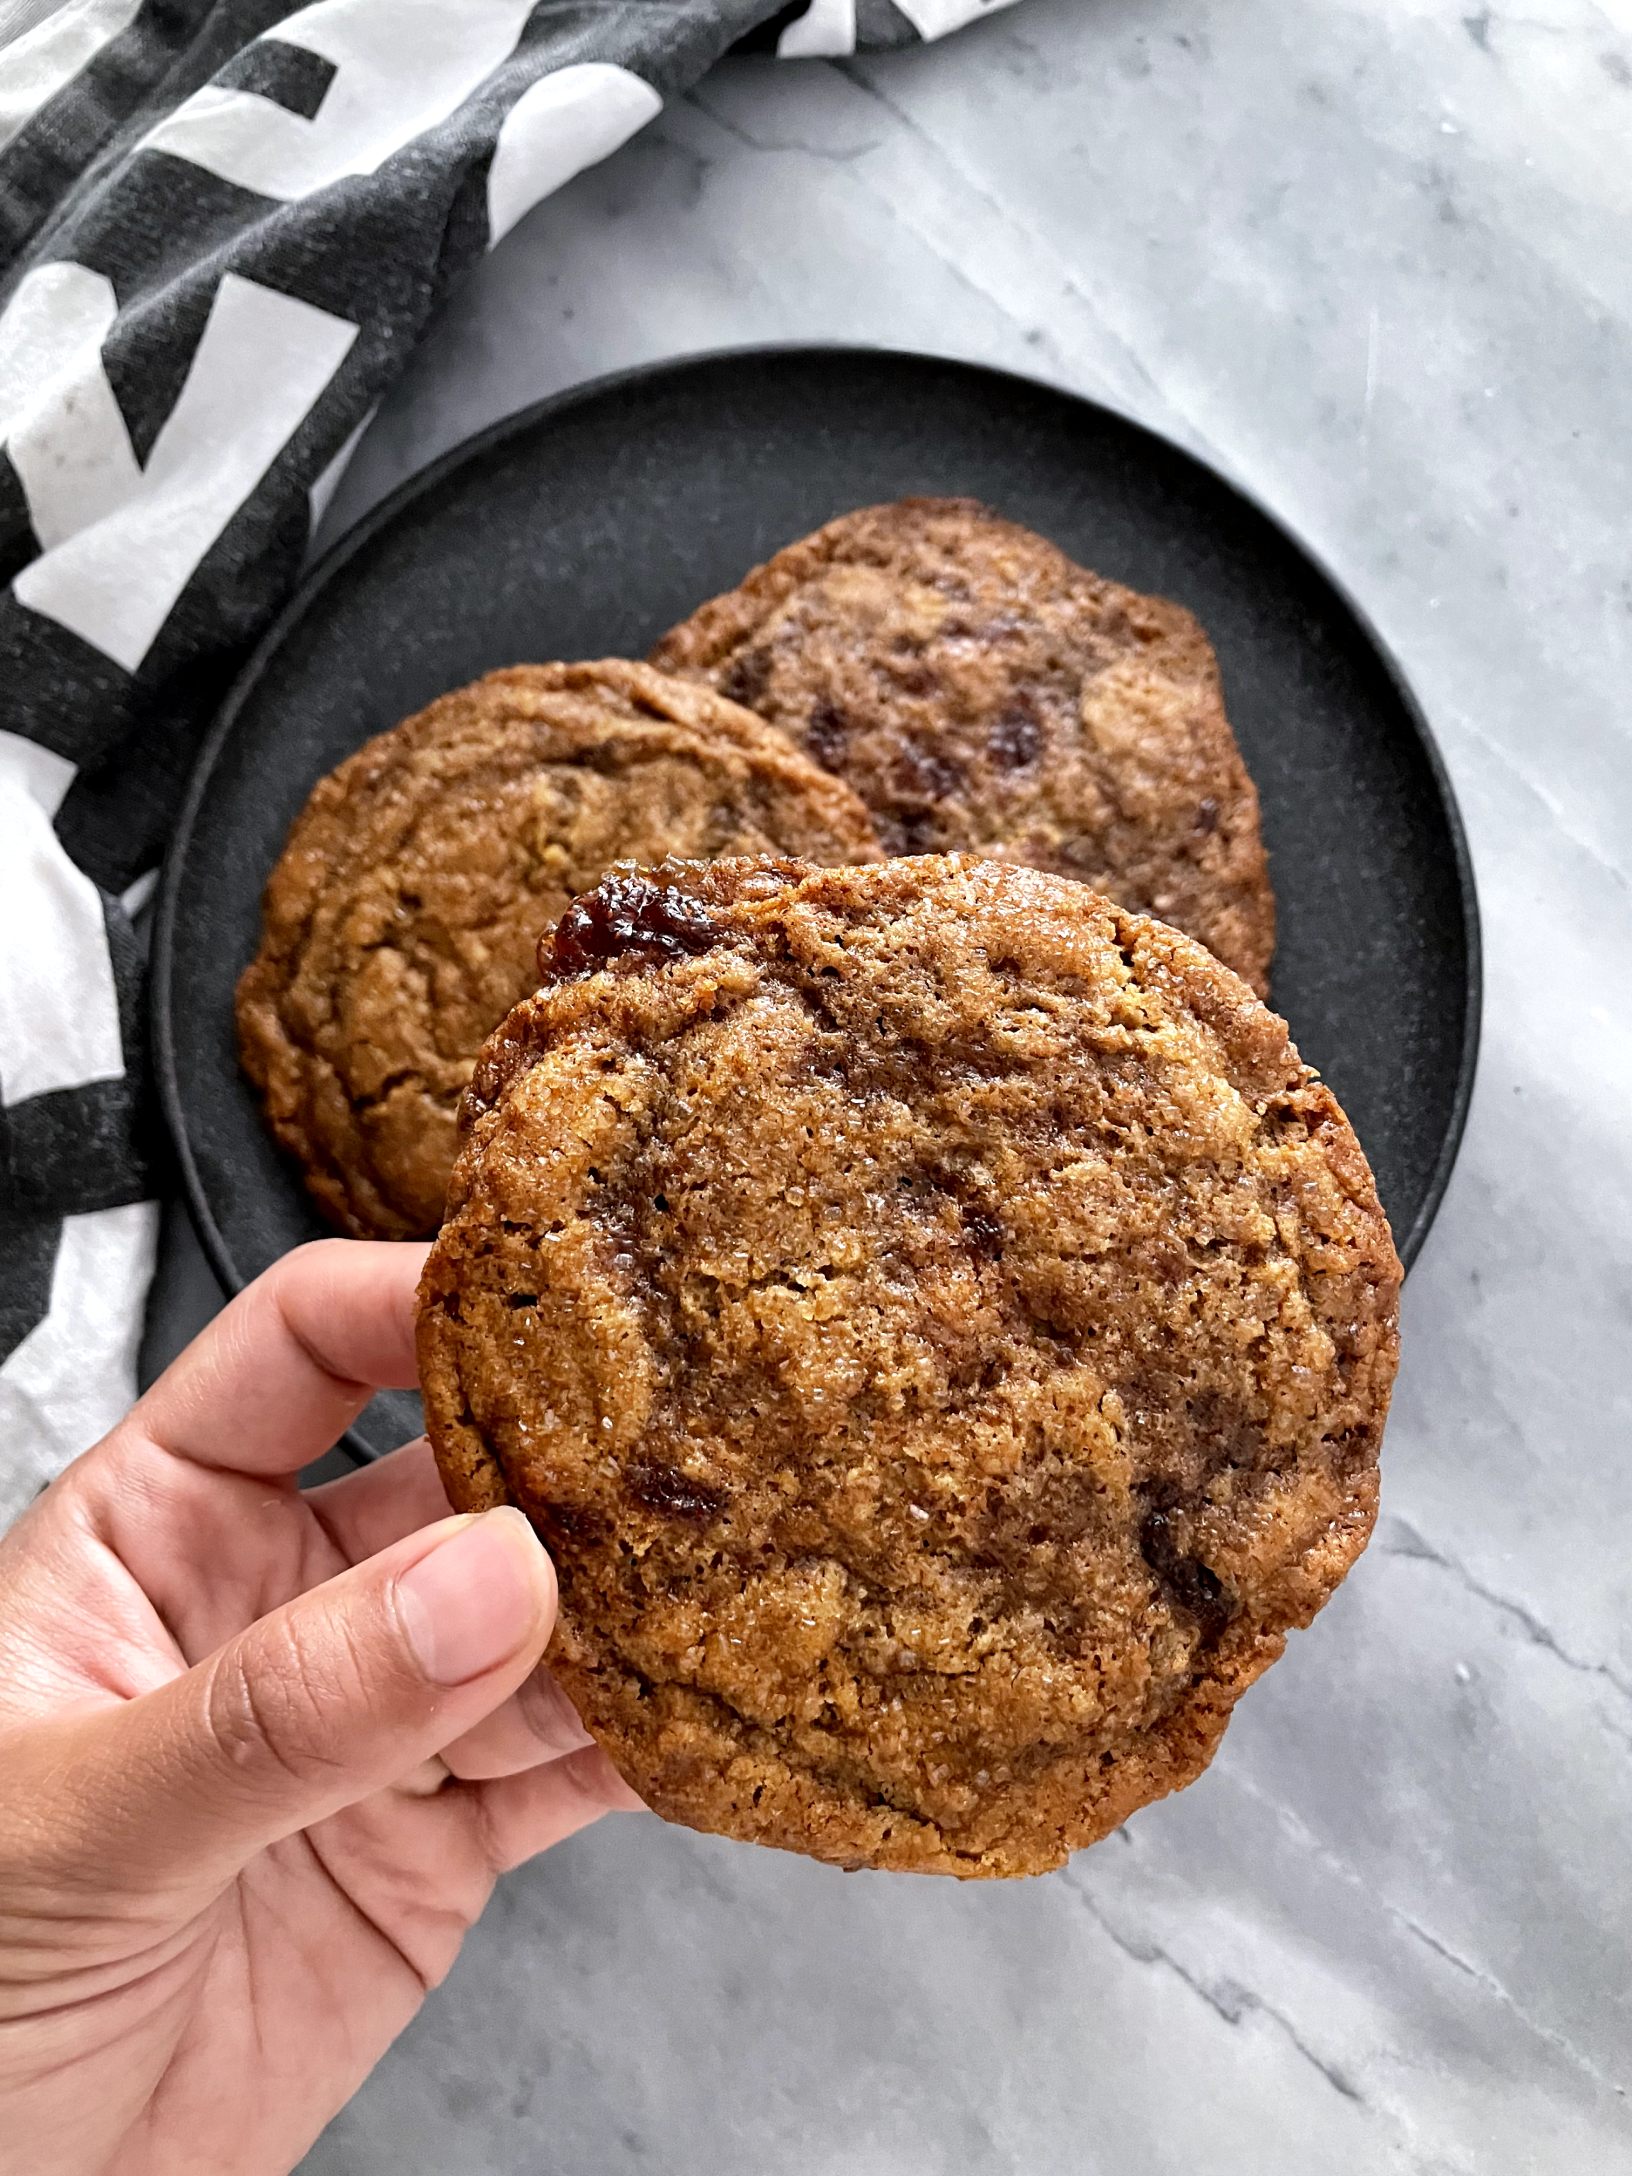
(285, 1369)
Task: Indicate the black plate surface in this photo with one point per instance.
(585, 527)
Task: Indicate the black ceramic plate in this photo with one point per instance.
(586, 527)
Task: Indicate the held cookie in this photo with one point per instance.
(401, 920)
(980, 690)
(939, 1328)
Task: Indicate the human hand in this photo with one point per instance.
(262, 1754)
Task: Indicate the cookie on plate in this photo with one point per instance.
(980, 690)
(941, 1331)
(401, 922)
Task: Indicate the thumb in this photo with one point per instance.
(342, 1691)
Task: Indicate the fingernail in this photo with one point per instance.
(477, 1599)
(551, 1716)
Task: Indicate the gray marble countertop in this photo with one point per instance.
(1370, 257)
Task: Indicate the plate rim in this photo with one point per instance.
(525, 420)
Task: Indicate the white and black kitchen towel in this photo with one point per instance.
(223, 226)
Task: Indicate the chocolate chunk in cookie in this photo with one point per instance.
(979, 690)
(401, 920)
(942, 1332)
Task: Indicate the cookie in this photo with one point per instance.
(981, 691)
(941, 1331)
(401, 921)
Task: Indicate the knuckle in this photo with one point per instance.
(279, 1701)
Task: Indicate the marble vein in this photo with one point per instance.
(1017, 229)
(1401, 1539)
(1332, 1862)
(1225, 1998)
(845, 155)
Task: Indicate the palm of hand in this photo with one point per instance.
(164, 2007)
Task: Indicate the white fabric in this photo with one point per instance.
(59, 420)
(17, 16)
(135, 896)
(261, 363)
(934, 18)
(325, 485)
(403, 66)
(59, 1011)
(34, 67)
(825, 30)
(57, 320)
(74, 1374)
(565, 122)
(43, 775)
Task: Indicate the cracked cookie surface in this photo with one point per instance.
(981, 691)
(941, 1331)
(401, 920)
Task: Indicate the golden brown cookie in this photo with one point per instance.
(941, 1331)
(401, 921)
(980, 690)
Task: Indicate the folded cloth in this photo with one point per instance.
(223, 226)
